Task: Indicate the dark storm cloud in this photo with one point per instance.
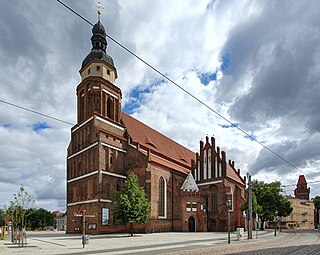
(299, 153)
(278, 47)
(274, 75)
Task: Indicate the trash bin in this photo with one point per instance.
(240, 233)
(85, 240)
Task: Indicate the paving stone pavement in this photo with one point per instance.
(165, 243)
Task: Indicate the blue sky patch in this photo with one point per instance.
(230, 126)
(8, 125)
(205, 78)
(226, 60)
(251, 137)
(37, 127)
(136, 96)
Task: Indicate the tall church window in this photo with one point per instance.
(209, 164)
(162, 197)
(205, 165)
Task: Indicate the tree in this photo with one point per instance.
(256, 209)
(130, 204)
(271, 201)
(22, 201)
(2, 217)
(316, 202)
(39, 218)
(18, 208)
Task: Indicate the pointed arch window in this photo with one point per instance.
(209, 164)
(162, 198)
(205, 165)
(110, 110)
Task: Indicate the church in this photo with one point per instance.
(188, 191)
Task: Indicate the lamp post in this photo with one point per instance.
(229, 207)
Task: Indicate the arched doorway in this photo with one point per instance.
(192, 224)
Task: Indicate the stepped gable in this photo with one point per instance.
(157, 142)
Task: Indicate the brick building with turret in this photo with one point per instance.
(187, 190)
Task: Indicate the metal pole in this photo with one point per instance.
(83, 231)
(228, 223)
(249, 207)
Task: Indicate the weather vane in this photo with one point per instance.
(99, 7)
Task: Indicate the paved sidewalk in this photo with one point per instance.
(157, 243)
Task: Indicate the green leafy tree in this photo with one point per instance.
(2, 217)
(284, 207)
(271, 201)
(130, 204)
(256, 209)
(316, 202)
(39, 218)
(22, 201)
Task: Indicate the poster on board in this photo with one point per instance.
(105, 216)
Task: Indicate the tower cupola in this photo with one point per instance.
(98, 57)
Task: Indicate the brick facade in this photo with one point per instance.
(107, 144)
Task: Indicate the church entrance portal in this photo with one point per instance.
(192, 224)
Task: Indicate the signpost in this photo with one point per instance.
(84, 216)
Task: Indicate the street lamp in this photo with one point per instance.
(229, 207)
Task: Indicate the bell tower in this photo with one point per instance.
(97, 93)
(302, 191)
(96, 153)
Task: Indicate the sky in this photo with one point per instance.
(257, 63)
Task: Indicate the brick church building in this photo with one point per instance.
(187, 190)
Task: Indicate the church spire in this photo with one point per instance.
(99, 46)
(99, 8)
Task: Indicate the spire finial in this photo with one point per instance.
(99, 7)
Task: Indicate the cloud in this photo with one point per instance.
(256, 63)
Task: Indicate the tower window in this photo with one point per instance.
(108, 72)
(89, 71)
(110, 159)
(98, 68)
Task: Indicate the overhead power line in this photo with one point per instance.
(35, 112)
(177, 85)
(290, 185)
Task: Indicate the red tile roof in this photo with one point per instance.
(231, 173)
(157, 142)
(165, 147)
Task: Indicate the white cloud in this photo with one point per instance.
(270, 86)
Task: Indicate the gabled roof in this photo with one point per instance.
(157, 142)
(231, 173)
(165, 151)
